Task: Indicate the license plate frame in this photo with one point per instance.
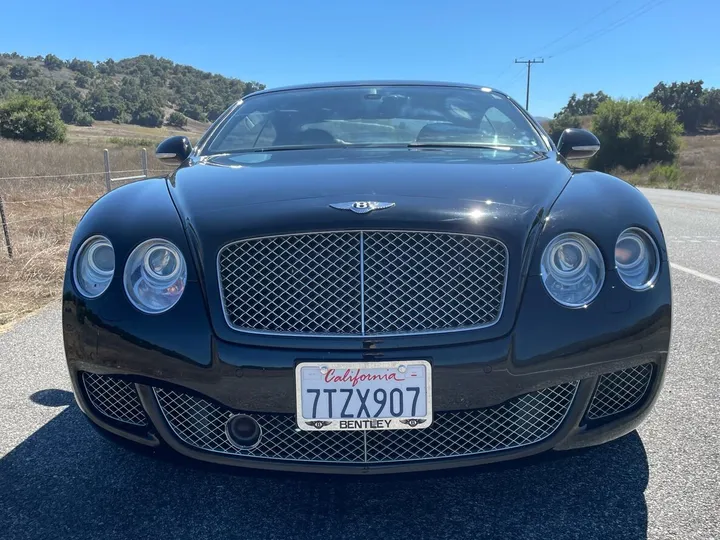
(364, 424)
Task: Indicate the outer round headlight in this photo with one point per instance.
(155, 276)
(637, 259)
(572, 269)
(94, 266)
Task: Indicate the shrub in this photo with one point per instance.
(83, 118)
(31, 119)
(177, 119)
(19, 72)
(665, 174)
(633, 133)
(53, 63)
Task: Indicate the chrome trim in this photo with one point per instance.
(651, 282)
(362, 282)
(587, 148)
(355, 336)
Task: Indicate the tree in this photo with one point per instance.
(633, 133)
(19, 72)
(683, 99)
(29, 119)
(53, 63)
(177, 119)
(710, 104)
(104, 103)
(81, 81)
(584, 106)
(83, 67)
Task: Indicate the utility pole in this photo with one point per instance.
(527, 92)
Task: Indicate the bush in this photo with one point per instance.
(633, 133)
(177, 119)
(150, 117)
(83, 119)
(53, 63)
(19, 72)
(665, 174)
(31, 119)
(81, 81)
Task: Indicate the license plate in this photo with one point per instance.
(363, 396)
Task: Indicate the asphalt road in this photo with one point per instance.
(59, 479)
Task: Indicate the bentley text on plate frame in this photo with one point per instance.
(369, 277)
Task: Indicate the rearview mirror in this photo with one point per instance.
(578, 143)
(174, 149)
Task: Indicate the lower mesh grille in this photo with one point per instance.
(114, 398)
(619, 391)
(520, 421)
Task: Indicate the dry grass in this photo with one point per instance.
(698, 167)
(42, 209)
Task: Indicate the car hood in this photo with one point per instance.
(492, 192)
(499, 194)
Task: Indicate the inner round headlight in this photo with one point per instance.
(155, 276)
(94, 266)
(572, 269)
(637, 259)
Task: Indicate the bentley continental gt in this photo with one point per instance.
(369, 277)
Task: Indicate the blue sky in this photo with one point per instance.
(294, 41)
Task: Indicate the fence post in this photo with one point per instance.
(143, 160)
(6, 232)
(108, 179)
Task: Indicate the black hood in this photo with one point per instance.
(242, 195)
(499, 194)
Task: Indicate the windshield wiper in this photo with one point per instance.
(484, 146)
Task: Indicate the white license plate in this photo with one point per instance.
(363, 396)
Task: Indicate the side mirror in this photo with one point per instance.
(174, 149)
(578, 143)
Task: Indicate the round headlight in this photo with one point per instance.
(637, 259)
(572, 269)
(94, 266)
(155, 275)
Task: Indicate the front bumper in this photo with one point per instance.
(561, 379)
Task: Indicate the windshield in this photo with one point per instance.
(375, 116)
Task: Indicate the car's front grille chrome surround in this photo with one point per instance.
(114, 398)
(362, 283)
(619, 391)
(520, 421)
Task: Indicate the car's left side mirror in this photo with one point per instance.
(174, 149)
(578, 143)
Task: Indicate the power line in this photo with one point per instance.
(527, 91)
(638, 12)
(579, 26)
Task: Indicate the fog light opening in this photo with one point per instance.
(242, 431)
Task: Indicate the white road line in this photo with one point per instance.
(695, 273)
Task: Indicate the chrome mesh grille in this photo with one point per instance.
(619, 391)
(362, 283)
(115, 398)
(520, 421)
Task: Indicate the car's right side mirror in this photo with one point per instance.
(576, 143)
(174, 149)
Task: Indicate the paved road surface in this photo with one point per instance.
(58, 479)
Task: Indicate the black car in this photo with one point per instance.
(369, 277)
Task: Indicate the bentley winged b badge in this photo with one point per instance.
(362, 207)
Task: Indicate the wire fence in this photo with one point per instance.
(28, 217)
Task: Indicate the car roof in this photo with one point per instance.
(347, 84)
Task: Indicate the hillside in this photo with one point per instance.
(144, 90)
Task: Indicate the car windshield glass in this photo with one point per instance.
(375, 116)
